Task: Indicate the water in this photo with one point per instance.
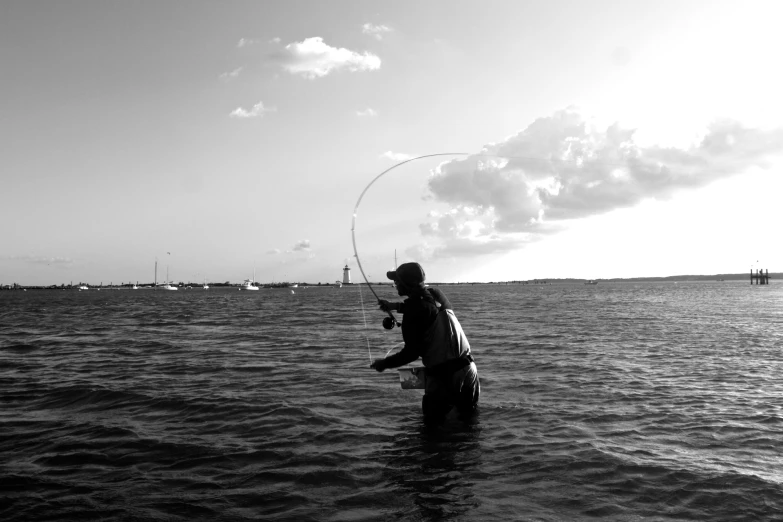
(650, 401)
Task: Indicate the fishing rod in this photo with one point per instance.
(391, 321)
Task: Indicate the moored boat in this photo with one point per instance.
(167, 285)
(250, 284)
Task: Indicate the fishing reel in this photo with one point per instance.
(389, 323)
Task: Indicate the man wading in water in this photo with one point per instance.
(431, 331)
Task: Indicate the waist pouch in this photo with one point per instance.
(449, 367)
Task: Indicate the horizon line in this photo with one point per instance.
(733, 276)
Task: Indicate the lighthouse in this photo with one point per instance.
(346, 275)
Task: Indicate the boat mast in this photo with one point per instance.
(156, 274)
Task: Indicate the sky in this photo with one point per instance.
(233, 140)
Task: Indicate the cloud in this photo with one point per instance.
(302, 245)
(452, 238)
(226, 76)
(396, 156)
(464, 231)
(561, 168)
(367, 112)
(257, 110)
(312, 58)
(245, 42)
(376, 31)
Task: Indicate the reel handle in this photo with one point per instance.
(389, 322)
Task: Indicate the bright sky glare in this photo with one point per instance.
(619, 139)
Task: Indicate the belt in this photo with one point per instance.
(449, 367)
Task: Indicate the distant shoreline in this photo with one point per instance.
(541, 281)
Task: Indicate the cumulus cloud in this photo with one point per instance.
(397, 156)
(245, 42)
(312, 58)
(257, 110)
(368, 112)
(376, 31)
(231, 75)
(302, 245)
(275, 40)
(464, 231)
(561, 168)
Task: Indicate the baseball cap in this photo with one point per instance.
(409, 274)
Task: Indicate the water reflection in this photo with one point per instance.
(433, 468)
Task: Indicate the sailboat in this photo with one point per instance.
(168, 286)
(205, 287)
(250, 284)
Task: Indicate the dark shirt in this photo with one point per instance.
(419, 313)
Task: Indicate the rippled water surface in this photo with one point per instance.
(649, 401)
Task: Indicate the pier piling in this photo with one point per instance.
(760, 277)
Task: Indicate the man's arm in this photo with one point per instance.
(406, 355)
(388, 306)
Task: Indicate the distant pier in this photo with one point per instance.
(759, 277)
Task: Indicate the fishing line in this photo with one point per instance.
(364, 316)
(392, 348)
(366, 337)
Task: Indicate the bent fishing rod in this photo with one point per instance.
(390, 321)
